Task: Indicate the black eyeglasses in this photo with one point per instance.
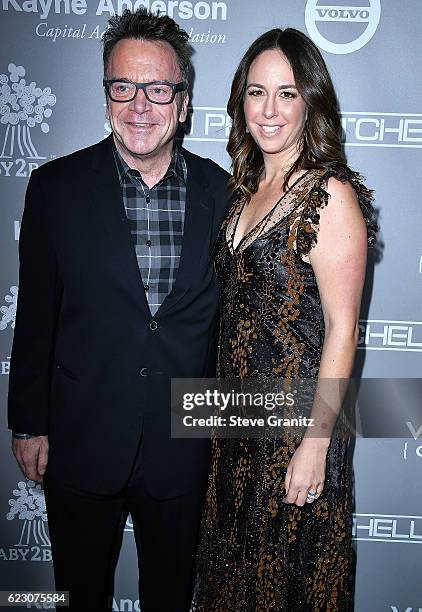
(157, 92)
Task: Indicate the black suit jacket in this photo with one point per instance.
(87, 366)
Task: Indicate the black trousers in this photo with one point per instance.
(86, 532)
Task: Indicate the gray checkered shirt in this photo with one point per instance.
(156, 218)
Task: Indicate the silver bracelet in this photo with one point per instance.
(22, 436)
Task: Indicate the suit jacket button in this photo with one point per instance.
(143, 372)
(153, 325)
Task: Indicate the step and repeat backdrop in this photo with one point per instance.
(52, 103)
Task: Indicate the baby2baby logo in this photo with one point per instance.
(24, 111)
(27, 508)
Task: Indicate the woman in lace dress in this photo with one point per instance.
(290, 259)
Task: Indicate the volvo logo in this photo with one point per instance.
(316, 13)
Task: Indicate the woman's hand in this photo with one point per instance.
(306, 471)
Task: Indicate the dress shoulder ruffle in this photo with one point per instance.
(318, 198)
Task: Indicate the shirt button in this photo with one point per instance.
(153, 325)
(143, 372)
(147, 199)
(148, 243)
(146, 287)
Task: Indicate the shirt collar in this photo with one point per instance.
(177, 166)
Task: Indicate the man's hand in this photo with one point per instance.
(32, 456)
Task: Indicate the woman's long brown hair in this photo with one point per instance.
(320, 142)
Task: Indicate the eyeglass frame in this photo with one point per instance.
(176, 87)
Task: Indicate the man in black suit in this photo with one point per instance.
(117, 296)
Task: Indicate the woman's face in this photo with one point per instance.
(274, 109)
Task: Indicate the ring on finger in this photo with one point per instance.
(312, 495)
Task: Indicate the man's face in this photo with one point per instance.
(141, 128)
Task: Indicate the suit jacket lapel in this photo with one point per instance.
(110, 212)
(197, 230)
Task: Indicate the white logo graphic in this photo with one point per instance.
(209, 124)
(173, 8)
(5, 367)
(361, 128)
(22, 107)
(387, 528)
(412, 450)
(206, 38)
(29, 507)
(126, 605)
(183, 9)
(315, 12)
(9, 312)
(380, 335)
(366, 129)
(415, 431)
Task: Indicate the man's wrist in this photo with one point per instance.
(22, 436)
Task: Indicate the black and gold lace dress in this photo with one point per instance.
(257, 554)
